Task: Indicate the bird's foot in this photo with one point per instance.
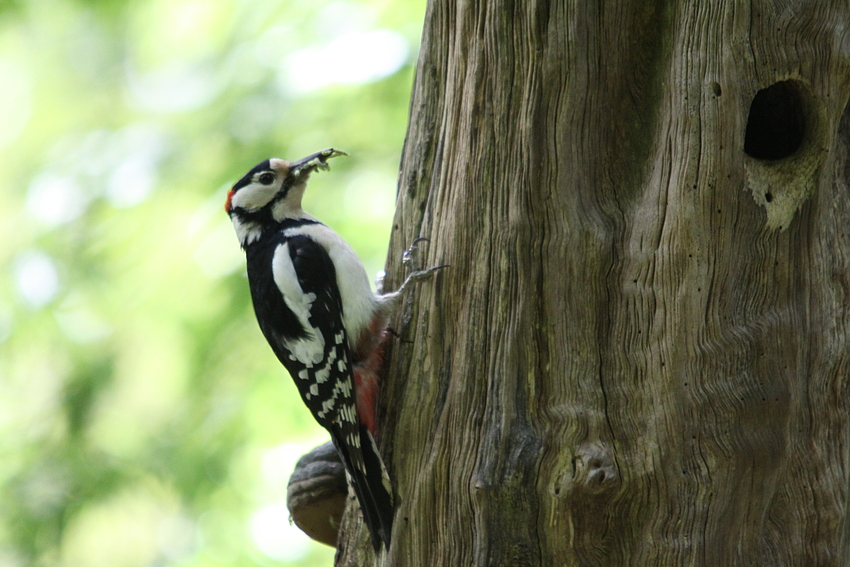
(411, 259)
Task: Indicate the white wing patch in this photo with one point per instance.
(308, 350)
(358, 300)
(327, 405)
(354, 439)
(324, 373)
(340, 394)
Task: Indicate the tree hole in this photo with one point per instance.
(777, 122)
(716, 89)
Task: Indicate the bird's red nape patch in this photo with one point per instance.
(229, 199)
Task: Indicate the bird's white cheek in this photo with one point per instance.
(254, 197)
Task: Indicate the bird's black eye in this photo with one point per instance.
(266, 178)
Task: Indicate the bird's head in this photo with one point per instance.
(271, 193)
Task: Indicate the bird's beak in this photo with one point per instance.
(311, 163)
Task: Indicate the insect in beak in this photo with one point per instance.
(311, 163)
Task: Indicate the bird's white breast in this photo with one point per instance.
(358, 300)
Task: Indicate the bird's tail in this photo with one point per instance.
(371, 484)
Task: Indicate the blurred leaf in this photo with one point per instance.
(143, 418)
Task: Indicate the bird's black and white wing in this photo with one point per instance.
(318, 356)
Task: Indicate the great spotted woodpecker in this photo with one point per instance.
(316, 309)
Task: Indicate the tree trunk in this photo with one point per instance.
(640, 353)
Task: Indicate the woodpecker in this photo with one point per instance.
(317, 311)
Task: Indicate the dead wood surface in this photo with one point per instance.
(640, 353)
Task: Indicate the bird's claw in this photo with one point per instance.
(410, 256)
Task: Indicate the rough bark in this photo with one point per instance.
(640, 353)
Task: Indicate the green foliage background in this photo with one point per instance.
(143, 419)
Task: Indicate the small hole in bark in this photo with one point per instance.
(715, 88)
(768, 197)
(777, 123)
